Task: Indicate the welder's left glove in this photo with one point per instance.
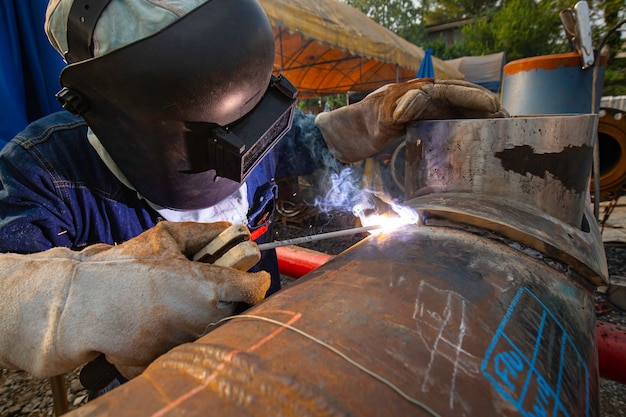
(131, 302)
(359, 130)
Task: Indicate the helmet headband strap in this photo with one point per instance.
(81, 24)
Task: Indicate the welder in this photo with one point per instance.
(172, 114)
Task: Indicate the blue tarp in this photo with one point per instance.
(426, 69)
(29, 66)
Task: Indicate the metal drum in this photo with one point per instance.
(550, 84)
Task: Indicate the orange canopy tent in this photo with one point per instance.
(327, 47)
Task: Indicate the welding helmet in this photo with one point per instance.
(187, 111)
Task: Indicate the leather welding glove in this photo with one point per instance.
(133, 302)
(359, 130)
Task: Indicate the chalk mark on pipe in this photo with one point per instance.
(449, 335)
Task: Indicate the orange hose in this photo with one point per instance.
(295, 261)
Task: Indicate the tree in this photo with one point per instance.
(400, 16)
(610, 13)
(441, 11)
(521, 28)
(526, 28)
(442, 50)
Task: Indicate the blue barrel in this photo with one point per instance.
(550, 84)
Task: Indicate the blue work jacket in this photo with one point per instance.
(55, 191)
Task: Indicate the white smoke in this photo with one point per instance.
(345, 192)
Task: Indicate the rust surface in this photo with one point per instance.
(564, 166)
(423, 321)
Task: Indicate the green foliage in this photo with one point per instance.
(521, 28)
(450, 10)
(615, 78)
(444, 51)
(399, 16)
(610, 12)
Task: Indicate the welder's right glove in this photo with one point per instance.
(133, 302)
(359, 130)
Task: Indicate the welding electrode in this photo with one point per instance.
(321, 236)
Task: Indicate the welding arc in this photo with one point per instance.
(321, 236)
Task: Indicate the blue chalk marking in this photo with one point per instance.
(513, 365)
(505, 362)
(561, 356)
(505, 319)
(534, 359)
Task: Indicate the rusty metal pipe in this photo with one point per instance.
(485, 309)
(461, 322)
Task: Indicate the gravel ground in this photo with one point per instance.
(22, 395)
(612, 394)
